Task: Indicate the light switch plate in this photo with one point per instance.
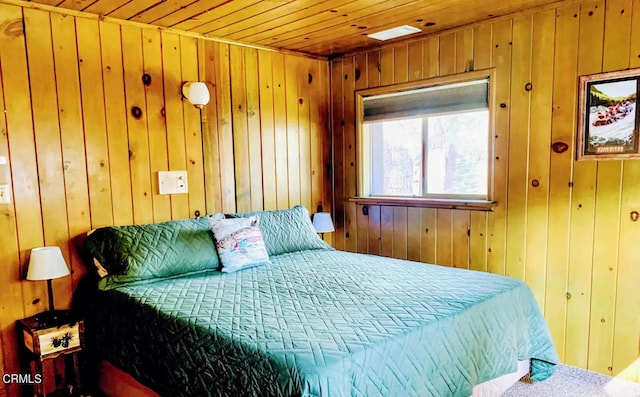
(5, 194)
(172, 182)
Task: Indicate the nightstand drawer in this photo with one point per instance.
(53, 340)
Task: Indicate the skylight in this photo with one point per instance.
(394, 32)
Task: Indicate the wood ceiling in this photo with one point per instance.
(325, 27)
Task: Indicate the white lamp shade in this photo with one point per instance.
(196, 93)
(322, 222)
(47, 263)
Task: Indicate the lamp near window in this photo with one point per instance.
(47, 263)
(322, 223)
(196, 93)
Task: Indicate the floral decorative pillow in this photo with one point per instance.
(239, 243)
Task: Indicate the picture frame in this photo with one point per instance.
(608, 119)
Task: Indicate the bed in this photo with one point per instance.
(320, 322)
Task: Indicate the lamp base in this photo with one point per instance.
(53, 317)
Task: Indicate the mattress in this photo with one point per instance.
(323, 323)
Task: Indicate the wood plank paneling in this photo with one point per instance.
(139, 163)
(116, 122)
(192, 129)
(447, 54)
(539, 152)
(280, 112)
(325, 121)
(386, 231)
(350, 227)
(240, 130)
(590, 40)
(210, 134)
(444, 238)
(304, 134)
(481, 59)
(156, 128)
(80, 158)
(607, 212)
(478, 241)
(461, 232)
(563, 226)
(316, 83)
(400, 64)
(626, 348)
(72, 136)
(372, 70)
(374, 230)
(562, 130)
(432, 51)
(400, 222)
(362, 223)
(291, 65)
(349, 85)
(518, 146)
(464, 51)
(416, 59)
(428, 246)
(221, 70)
(497, 222)
(414, 235)
(254, 130)
(174, 117)
(386, 66)
(267, 126)
(93, 107)
(337, 115)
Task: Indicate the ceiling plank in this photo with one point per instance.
(248, 12)
(162, 9)
(104, 7)
(327, 18)
(372, 22)
(263, 23)
(211, 15)
(134, 7)
(194, 9)
(75, 4)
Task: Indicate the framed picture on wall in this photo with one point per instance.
(608, 119)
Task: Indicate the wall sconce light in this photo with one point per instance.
(196, 93)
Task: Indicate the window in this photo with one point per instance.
(427, 141)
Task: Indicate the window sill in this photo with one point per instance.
(455, 204)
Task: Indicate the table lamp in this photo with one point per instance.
(47, 263)
(322, 223)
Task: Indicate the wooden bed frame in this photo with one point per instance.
(114, 382)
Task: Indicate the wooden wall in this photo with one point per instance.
(569, 236)
(79, 159)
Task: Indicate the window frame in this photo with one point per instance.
(442, 201)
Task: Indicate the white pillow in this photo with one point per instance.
(239, 243)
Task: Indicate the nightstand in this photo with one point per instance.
(46, 336)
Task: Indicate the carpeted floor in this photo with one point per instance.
(575, 382)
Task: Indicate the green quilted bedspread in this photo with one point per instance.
(324, 323)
